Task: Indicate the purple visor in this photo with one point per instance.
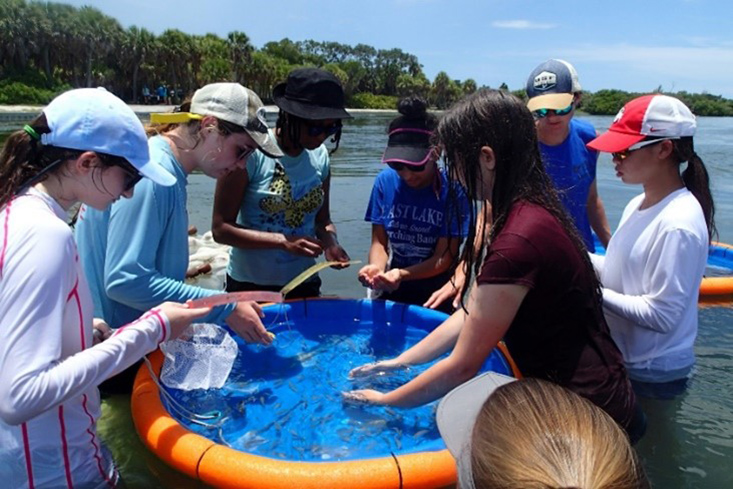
(407, 145)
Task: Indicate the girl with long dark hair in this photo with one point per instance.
(535, 287)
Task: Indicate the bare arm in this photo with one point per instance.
(597, 215)
(228, 198)
(442, 258)
(325, 228)
(378, 256)
(492, 308)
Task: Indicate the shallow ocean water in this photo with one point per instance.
(689, 441)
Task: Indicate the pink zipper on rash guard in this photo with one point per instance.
(5, 236)
(27, 450)
(65, 448)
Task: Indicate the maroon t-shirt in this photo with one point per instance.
(556, 334)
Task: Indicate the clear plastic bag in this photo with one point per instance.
(201, 358)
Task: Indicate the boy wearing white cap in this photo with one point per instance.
(554, 92)
(656, 258)
(86, 146)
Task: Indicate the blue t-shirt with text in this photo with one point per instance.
(414, 219)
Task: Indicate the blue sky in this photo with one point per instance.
(631, 45)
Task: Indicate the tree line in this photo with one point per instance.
(46, 48)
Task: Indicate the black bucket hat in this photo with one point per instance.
(311, 93)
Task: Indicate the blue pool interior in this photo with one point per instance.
(285, 402)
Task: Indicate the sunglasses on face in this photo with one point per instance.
(397, 166)
(132, 176)
(315, 129)
(622, 155)
(542, 113)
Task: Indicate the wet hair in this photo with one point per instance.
(25, 161)
(289, 127)
(535, 434)
(414, 114)
(501, 121)
(193, 126)
(696, 179)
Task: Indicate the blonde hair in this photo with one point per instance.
(536, 434)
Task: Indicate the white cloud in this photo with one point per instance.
(521, 24)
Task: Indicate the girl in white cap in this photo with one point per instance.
(655, 261)
(136, 253)
(87, 146)
(275, 212)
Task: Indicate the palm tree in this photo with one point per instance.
(240, 54)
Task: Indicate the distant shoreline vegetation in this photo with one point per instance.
(47, 48)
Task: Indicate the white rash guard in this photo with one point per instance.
(49, 370)
(651, 281)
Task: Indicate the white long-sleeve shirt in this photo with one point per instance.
(651, 280)
(49, 370)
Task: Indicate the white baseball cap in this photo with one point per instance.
(92, 119)
(239, 105)
(457, 413)
(648, 116)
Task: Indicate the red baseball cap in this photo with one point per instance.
(649, 116)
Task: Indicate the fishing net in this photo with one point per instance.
(201, 358)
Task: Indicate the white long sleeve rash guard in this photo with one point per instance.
(49, 370)
(651, 281)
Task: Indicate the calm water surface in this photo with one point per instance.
(689, 442)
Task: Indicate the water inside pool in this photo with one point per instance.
(285, 401)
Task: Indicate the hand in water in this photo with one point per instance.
(246, 321)
(367, 396)
(378, 368)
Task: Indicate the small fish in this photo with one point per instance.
(296, 435)
(292, 387)
(420, 433)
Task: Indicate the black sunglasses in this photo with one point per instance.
(397, 166)
(318, 129)
(132, 175)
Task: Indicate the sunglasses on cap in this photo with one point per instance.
(315, 129)
(622, 155)
(542, 113)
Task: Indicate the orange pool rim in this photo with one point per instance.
(220, 466)
(717, 290)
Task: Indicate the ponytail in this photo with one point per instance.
(20, 158)
(696, 180)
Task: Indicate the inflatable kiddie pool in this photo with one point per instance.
(717, 285)
(281, 422)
